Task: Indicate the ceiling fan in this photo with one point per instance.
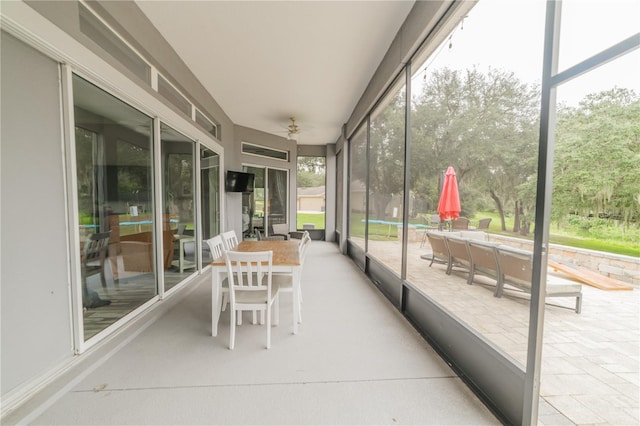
(292, 130)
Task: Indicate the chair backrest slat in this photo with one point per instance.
(246, 270)
(304, 246)
(230, 240)
(95, 247)
(216, 246)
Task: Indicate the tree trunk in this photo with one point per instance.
(516, 219)
(380, 203)
(498, 202)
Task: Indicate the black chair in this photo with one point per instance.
(272, 237)
(279, 230)
(94, 254)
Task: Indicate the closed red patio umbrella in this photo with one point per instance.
(449, 204)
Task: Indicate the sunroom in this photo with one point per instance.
(143, 109)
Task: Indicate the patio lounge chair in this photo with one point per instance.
(516, 270)
(484, 260)
(458, 254)
(439, 250)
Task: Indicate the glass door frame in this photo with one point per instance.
(267, 209)
(125, 90)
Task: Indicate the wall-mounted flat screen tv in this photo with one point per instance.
(239, 181)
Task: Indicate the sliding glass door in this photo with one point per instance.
(310, 198)
(277, 184)
(113, 149)
(179, 194)
(126, 234)
(209, 196)
(268, 204)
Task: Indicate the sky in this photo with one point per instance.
(516, 43)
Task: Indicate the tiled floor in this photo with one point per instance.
(355, 360)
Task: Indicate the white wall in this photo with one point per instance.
(35, 283)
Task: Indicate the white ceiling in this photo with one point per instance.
(265, 61)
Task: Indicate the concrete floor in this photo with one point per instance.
(355, 360)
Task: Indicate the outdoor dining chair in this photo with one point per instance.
(251, 288)
(433, 221)
(216, 246)
(230, 240)
(460, 223)
(484, 223)
(285, 281)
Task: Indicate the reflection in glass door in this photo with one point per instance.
(178, 201)
(115, 206)
(277, 184)
(210, 197)
(268, 203)
(253, 205)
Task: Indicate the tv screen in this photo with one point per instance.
(239, 181)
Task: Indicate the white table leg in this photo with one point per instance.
(296, 295)
(181, 261)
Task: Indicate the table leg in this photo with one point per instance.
(181, 258)
(296, 299)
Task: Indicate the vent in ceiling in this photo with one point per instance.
(262, 151)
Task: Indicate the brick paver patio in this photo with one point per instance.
(590, 368)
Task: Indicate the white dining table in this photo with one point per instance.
(286, 260)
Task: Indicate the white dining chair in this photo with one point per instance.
(285, 281)
(230, 240)
(216, 246)
(251, 288)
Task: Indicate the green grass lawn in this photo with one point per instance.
(317, 219)
(615, 241)
(377, 231)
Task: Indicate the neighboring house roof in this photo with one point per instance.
(311, 191)
(357, 186)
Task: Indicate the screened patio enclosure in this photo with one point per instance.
(134, 139)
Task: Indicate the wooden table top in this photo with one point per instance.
(285, 253)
